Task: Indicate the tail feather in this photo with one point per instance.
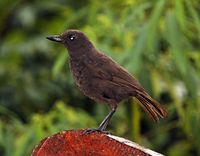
(152, 107)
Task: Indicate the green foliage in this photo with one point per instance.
(157, 41)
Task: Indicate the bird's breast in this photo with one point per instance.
(80, 73)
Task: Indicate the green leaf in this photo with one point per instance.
(180, 13)
(174, 38)
(137, 50)
(153, 25)
(195, 16)
(60, 62)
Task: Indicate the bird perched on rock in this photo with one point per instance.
(102, 79)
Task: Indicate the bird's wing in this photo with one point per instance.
(109, 70)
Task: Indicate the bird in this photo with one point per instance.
(102, 79)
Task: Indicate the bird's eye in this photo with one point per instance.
(72, 37)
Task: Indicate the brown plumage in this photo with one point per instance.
(102, 79)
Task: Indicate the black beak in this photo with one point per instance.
(55, 38)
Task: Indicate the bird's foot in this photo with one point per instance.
(92, 130)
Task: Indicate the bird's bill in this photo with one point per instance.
(55, 38)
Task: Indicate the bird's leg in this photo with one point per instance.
(103, 124)
(106, 120)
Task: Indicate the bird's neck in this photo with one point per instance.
(81, 53)
(80, 50)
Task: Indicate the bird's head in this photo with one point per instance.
(74, 40)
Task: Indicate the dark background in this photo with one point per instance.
(157, 41)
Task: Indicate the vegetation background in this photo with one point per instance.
(158, 41)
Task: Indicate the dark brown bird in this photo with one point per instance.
(102, 79)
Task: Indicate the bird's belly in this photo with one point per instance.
(81, 76)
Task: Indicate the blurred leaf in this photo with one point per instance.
(153, 25)
(195, 16)
(135, 122)
(180, 14)
(60, 62)
(175, 150)
(137, 51)
(175, 40)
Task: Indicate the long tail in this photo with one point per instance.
(152, 107)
